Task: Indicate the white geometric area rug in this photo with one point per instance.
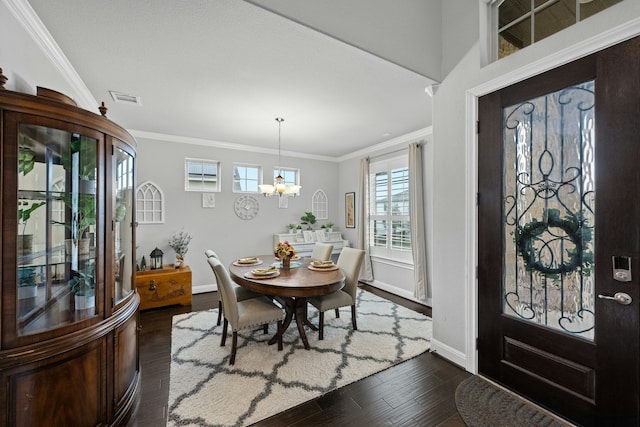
(206, 391)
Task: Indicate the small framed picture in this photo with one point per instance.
(321, 235)
(308, 236)
(208, 200)
(283, 202)
(350, 210)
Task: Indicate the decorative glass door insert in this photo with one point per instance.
(549, 210)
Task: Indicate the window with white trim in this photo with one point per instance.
(246, 178)
(291, 176)
(389, 221)
(149, 204)
(520, 23)
(201, 175)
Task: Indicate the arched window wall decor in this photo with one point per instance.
(149, 204)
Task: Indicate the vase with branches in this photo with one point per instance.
(179, 242)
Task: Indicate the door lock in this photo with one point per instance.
(619, 297)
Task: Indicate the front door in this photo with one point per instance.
(559, 237)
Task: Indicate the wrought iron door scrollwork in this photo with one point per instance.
(549, 193)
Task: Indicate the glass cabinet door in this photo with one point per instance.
(57, 267)
(123, 224)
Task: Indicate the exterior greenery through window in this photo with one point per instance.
(202, 175)
(389, 211)
(246, 178)
(521, 23)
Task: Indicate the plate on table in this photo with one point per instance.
(322, 264)
(251, 275)
(245, 262)
(293, 258)
(331, 267)
(262, 273)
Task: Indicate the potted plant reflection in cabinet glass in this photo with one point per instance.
(83, 286)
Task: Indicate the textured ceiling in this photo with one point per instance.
(223, 70)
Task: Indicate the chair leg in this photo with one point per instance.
(265, 328)
(353, 317)
(219, 311)
(321, 326)
(224, 333)
(337, 313)
(279, 332)
(234, 345)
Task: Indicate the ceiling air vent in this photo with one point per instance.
(126, 98)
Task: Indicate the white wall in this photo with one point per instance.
(162, 162)
(391, 276)
(454, 172)
(24, 63)
(376, 26)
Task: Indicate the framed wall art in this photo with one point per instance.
(350, 210)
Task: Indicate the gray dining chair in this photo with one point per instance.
(245, 314)
(241, 293)
(349, 261)
(321, 252)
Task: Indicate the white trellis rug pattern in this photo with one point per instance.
(206, 391)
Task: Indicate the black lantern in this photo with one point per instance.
(156, 259)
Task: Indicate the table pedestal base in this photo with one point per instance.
(296, 306)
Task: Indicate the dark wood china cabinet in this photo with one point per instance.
(69, 310)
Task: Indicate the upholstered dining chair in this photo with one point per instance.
(245, 314)
(321, 252)
(241, 293)
(349, 261)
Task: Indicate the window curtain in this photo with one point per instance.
(362, 218)
(416, 213)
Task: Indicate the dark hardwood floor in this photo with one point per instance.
(419, 392)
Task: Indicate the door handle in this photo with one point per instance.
(152, 285)
(619, 297)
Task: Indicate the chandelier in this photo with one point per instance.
(279, 187)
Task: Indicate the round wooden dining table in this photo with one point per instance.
(293, 286)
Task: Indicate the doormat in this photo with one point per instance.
(205, 390)
(482, 404)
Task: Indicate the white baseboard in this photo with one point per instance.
(397, 291)
(451, 354)
(204, 288)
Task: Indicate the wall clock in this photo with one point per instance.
(246, 207)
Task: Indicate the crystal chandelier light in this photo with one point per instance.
(279, 187)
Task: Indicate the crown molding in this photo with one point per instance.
(226, 145)
(392, 143)
(27, 17)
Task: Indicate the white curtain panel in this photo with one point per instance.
(416, 213)
(362, 215)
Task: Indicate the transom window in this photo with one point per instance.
(246, 178)
(521, 23)
(389, 211)
(202, 175)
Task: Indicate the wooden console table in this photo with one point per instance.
(160, 288)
